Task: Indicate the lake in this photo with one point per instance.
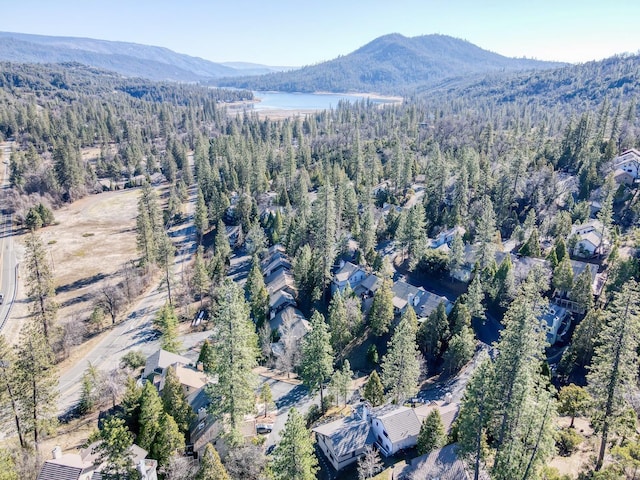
(307, 101)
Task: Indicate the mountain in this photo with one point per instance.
(247, 68)
(128, 59)
(391, 64)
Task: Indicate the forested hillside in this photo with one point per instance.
(391, 64)
(520, 164)
(128, 59)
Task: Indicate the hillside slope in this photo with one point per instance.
(390, 64)
(128, 59)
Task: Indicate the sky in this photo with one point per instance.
(304, 32)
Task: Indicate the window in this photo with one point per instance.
(384, 432)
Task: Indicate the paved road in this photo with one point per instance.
(286, 396)
(136, 331)
(8, 259)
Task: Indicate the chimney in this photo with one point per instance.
(200, 367)
(57, 453)
(448, 397)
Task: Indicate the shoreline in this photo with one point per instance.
(282, 113)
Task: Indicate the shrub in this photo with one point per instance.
(567, 441)
(134, 359)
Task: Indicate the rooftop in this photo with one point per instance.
(346, 434)
(399, 422)
(161, 359)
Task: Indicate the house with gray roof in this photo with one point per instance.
(368, 287)
(395, 428)
(441, 464)
(343, 441)
(158, 361)
(348, 274)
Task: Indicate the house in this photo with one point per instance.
(161, 359)
(275, 262)
(430, 302)
(623, 177)
(465, 272)
(448, 412)
(629, 162)
(280, 300)
(590, 239)
(280, 280)
(405, 294)
(297, 322)
(343, 441)
(368, 287)
(85, 465)
(347, 274)
(556, 320)
(68, 466)
(395, 427)
(441, 464)
(191, 379)
(446, 237)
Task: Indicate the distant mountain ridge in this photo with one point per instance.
(390, 63)
(128, 59)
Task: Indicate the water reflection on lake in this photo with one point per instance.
(307, 101)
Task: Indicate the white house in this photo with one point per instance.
(590, 239)
(395, 427)
(347, 274)
(446, 237)
(629, 162)
(554, 318)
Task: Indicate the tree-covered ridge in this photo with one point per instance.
(391, 64)
(583, 86)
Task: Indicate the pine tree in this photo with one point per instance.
(461, 348)
(114, 449)
(414, 234)
(166, 254)
(222, 247)
(294, 457)
(150, 412)
(168, 441)
(475, 297)
(341, 382)
(582, 292)
(266, 397)
(211, 467)
(38, 382)
(90, 393)
(317, 356)
(167, 322)
(374, 390)
(338, 324)
(456, 254)
(200, 278)
(400, 366)
(531, 248)
(201, 217)
(256, 292)
(573, 401)
(523, 407)
(235, 346)
(40, 289)
(174, 401)
(381, 314)
(431, 434)
(207, 356)
(475, 414)
(9, 394)
(485, 233)
(614, 366)
(434, 331)
(504, 282)
(563, 275)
